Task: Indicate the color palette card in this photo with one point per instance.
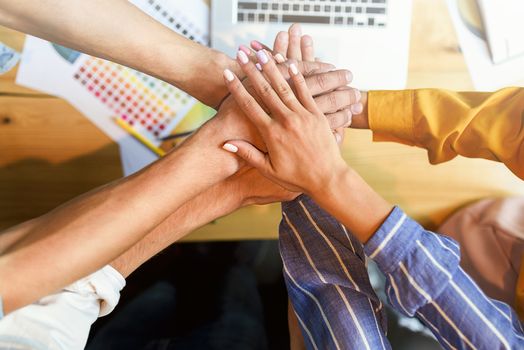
(151, 106)
(102, 90)
(187, 18)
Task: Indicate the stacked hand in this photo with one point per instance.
(327, 86)
(302, 154)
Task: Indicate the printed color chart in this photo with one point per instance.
(174, 18)
(152, 107)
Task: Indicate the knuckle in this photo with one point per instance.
(235, 86)
(308, 68)
(283, 89)
(246, 104)
(333, 101)
(300, 80)
(289, 124)
(335, 120)
(321, 81)
(265, 89)
(248, 155)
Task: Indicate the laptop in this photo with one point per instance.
(504, 27)
(368, 37)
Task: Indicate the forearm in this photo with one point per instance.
(346, 192)
(104, 223)
(217, 201)
(133, 39)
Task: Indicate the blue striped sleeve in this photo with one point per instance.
(424, 279)
(395, 249)
(327, 281)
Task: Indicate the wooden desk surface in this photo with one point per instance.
(50, 153)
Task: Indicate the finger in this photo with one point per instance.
(307, 68)
(262, 87)
(281, 43)
(340, 119)
(302, 90)
(307, 49)
(253, 156)
(357, 108)
(337, 100)
(339, 136)
(250, 53)
(246, 102)
(257, 45)
(293, 51)
(278, 82)
(325, 82)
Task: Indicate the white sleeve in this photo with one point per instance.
(63, 320)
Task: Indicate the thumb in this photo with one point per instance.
(252, 155)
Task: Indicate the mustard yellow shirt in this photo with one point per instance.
(447, 124)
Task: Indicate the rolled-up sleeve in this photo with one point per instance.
(63, 320)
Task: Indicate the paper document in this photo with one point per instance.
(103, 90)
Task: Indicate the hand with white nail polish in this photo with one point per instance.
(340, 103)
(302, 153)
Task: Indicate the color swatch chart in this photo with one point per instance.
(177, 16)
(150, 106)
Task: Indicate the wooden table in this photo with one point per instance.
(50, 153)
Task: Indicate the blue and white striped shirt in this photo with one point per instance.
(328, 284)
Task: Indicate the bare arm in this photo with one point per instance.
(130, 38)
(244, 188)
(89, 232)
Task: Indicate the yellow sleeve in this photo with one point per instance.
(447, 124)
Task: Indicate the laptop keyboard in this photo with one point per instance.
(357, 13)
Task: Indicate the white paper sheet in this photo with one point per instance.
(52, 69)
(486, 75)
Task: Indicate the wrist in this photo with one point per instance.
(329, 184)
(355, 204)
(203, 76)
(361, 121)
(205, 146)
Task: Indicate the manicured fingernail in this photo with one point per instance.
(259, 67)
(245, 50)
(228, 75)
(349, 76)
(242, 57)
(293, 68)
(279, 58)
(230, 148)
(358, 95)
(262, 57)
(338, 137)
(357, 108)
(256, 45)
